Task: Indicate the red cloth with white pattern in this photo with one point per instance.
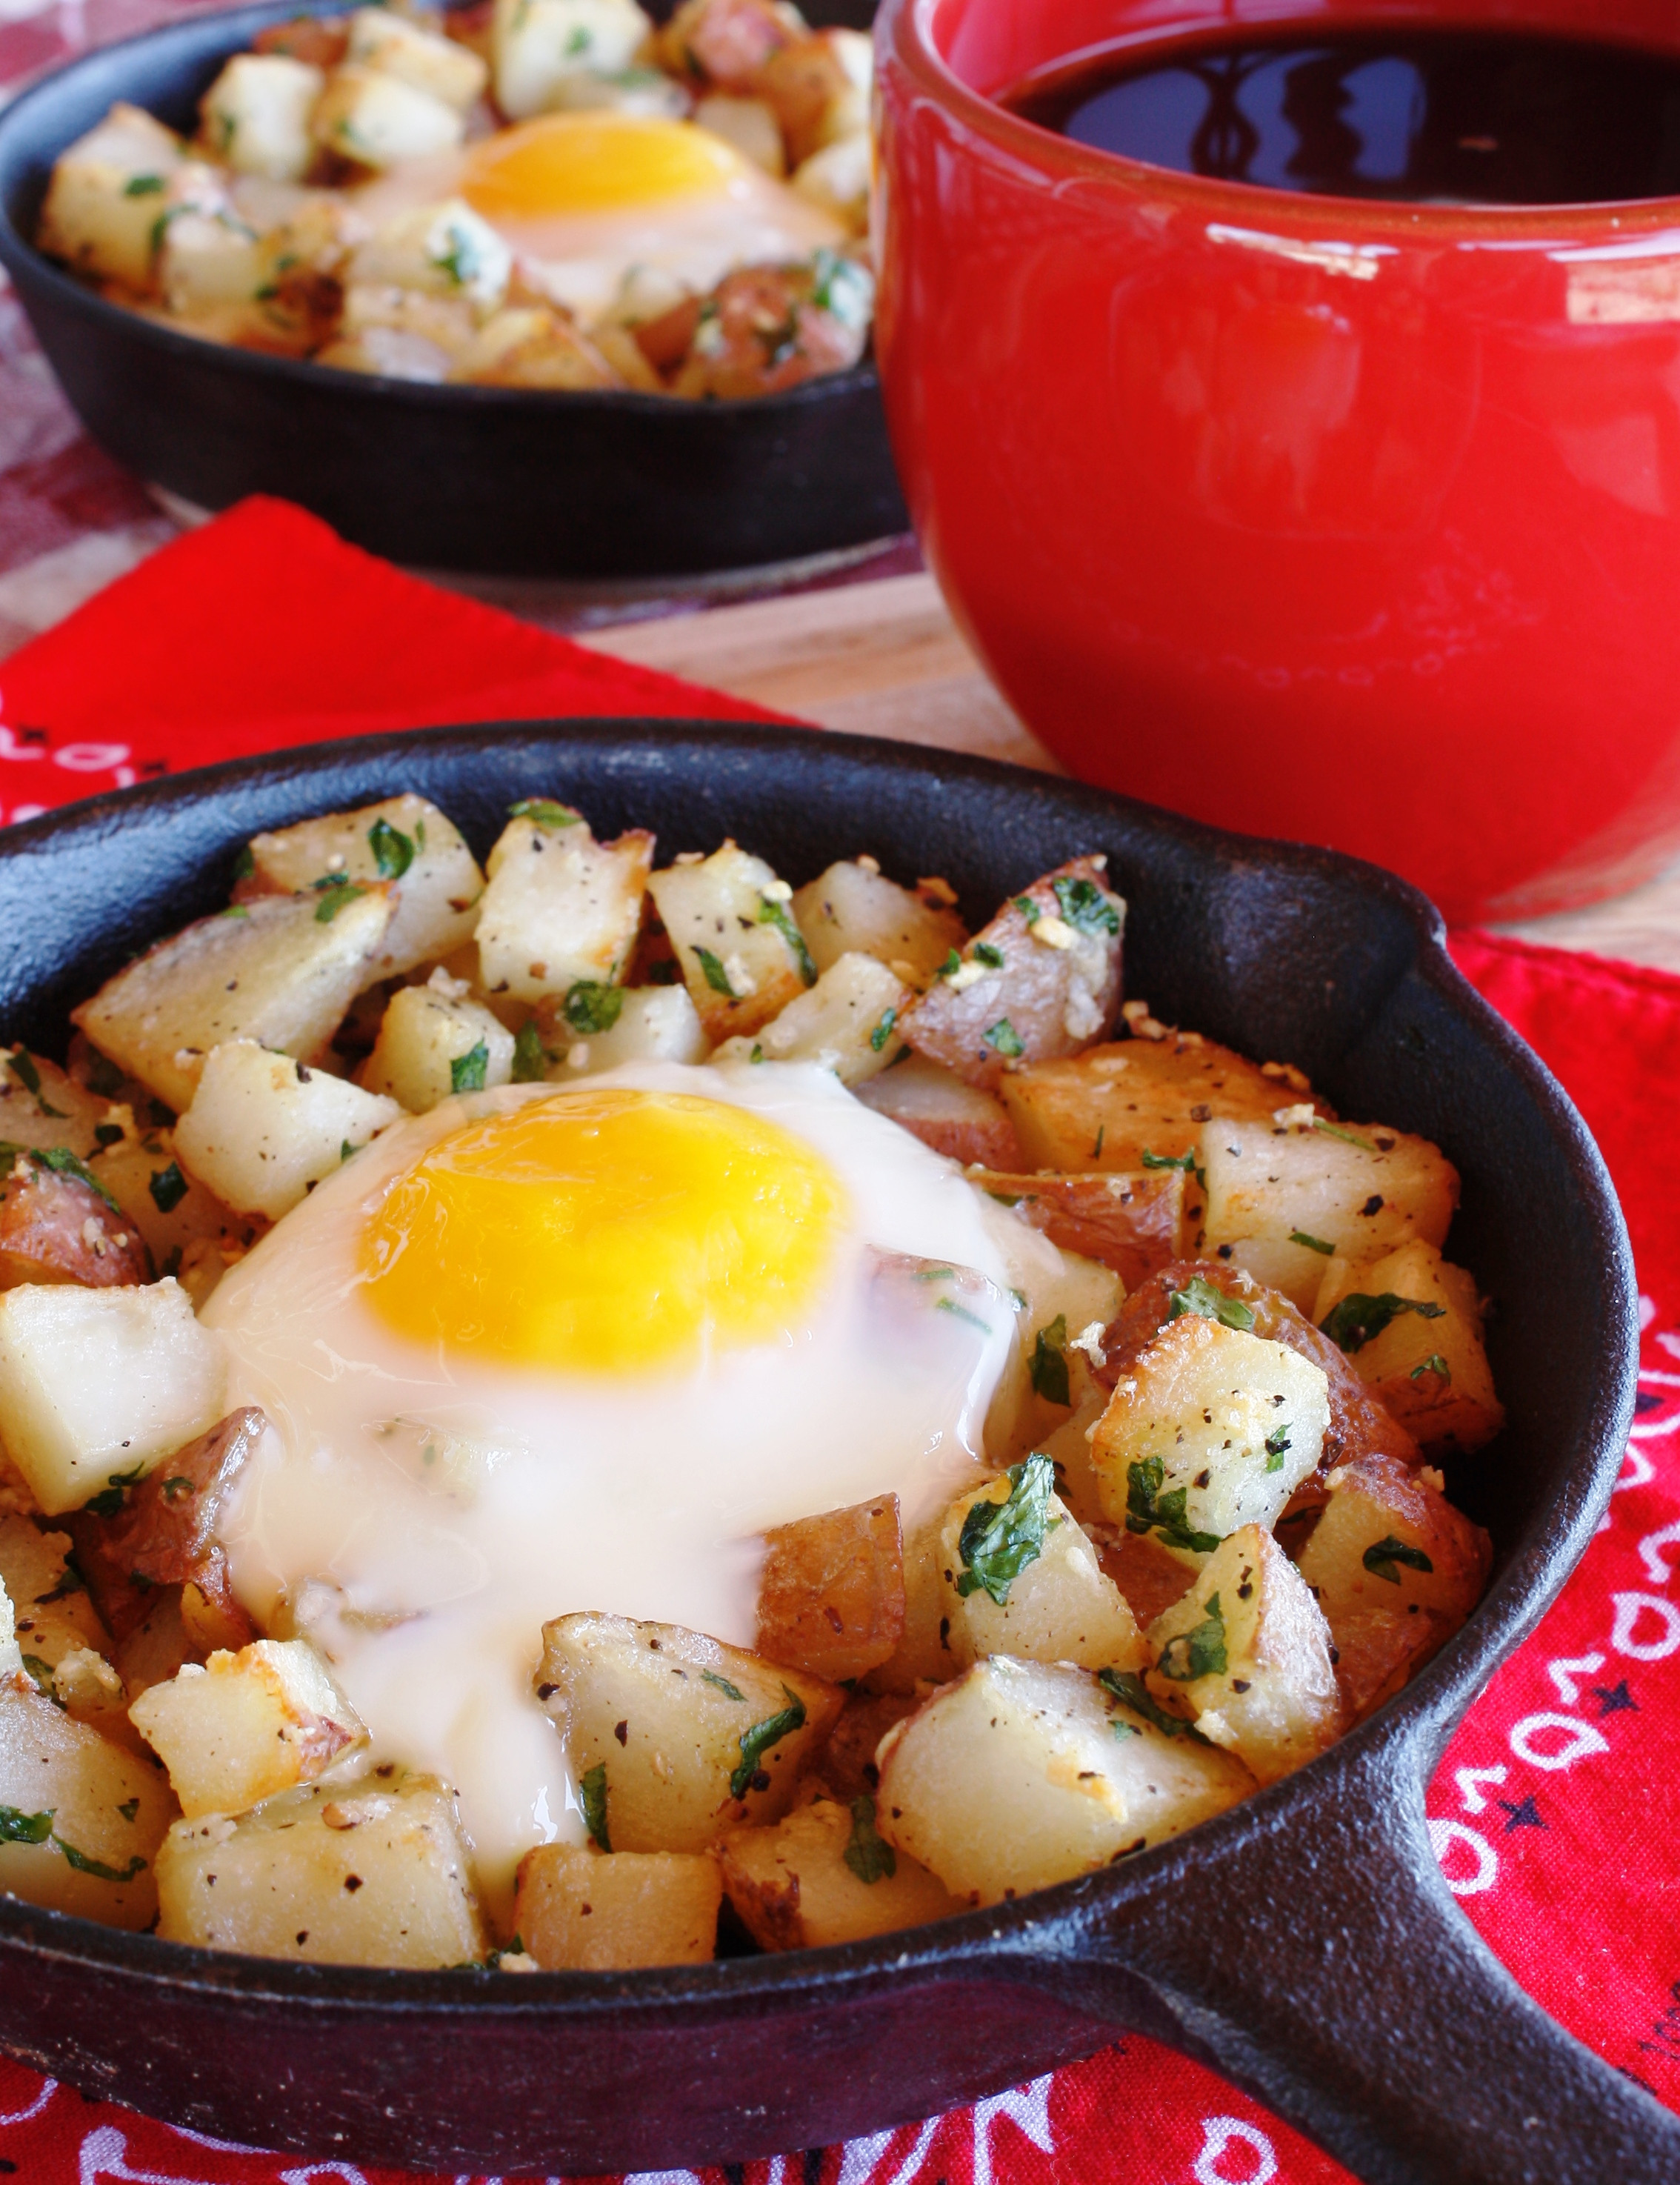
(263, 630)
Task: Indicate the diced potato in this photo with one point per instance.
(649, 1023)
(831, 1594)
(390, 353)
(853, 909)
(646, 92)
(1055, 1283)
(173, 1213)
(246, 1725)
(156, 1648)
(435, 880)
(838, 178)
(206, 259)
(934, 1105)
(749, 125)
(1278, 1196)
(710, 1734)
(432, 1044)
(448, 323)
(819, 89)
(442, 249)
(107, 191)
(1132, 1223)
(533, 346)
(97, 1385)
(728, 42)
(49, 1615)
(263, 1130)
(1028, 1773)
(1149, 1576)
(282, 972)
(1429, 1369)
(56, 1227)
(825, 1874)
(1396, 1569)
(607, 1911)
(844, 1023)
(378, 120)
(742, 955)
(1210, 1429)
(1246, 1654)
(1043, 979)
(382, 39)
(1058, 1606)
(256, 115)
(923, 1655)
(41, 1106)
(561, 909)
(536, 44)
(369, 1873)
(1107, 1109)
(86, 1817)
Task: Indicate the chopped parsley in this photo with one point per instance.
(592, 1789)
(109, 1501)
(336, 893)
(177, 1488)
(61, 1161)
(345, 1149)
(129, 1809)
(530, 1056)
(716, 976)
(462, 258)
(758, 1741)
(1437, 1365)
(1085, 907)
(545, 812)
(1200, 1297)
(1359, 1320)
(168, 1187)
(1277, 1444)
(1127, 1686)
(868, 1856)
(1149, 1510)
(722, 1684)
(244, 865)
(142, 186)
(774, 914)
(952, 966)
(1186, 1161)
(104, 1077)
(999, 1540)
(1199, 1652)
(83, 1864)
(1348, 1138)
(987, 952)
(392, 850)
(21, 1064)
(1312, 1243)
(18, 1827)
(1003, 1037)
(107, 1134)
(1381, 1557)
(879, 1037)
(590, 1006)
(1029, 909)
(960, 1312)
(1048, 1365)
(467, 1071)
(842, 287)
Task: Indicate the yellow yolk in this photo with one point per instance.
(594, 163)
(604, 1231)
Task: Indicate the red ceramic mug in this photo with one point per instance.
(1350, 522)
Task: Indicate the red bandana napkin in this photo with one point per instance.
(263, 630)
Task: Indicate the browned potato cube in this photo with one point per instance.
(1246, 1655)
(602, 1911)
(1416, 1341)
(241, 1727)
(1396, 1570)
(853, 907)
(56, 1227)
(1021, 1578)
(742, 955)
(826, 1874)
(1043, 979)
(934, 1105)
(846, 1768)
(1110, 1106)
(831, 1598)
(923, 1654)
(1133, 1223)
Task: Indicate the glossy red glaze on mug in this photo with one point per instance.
(1352, 523)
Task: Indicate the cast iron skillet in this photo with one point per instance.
(502, 481)
(1305, 1943)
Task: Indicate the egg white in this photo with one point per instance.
(426, 1578)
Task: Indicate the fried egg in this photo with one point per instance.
(584, 199)
(542, 1351)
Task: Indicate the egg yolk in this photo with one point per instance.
(594, 163)
(604, 1231)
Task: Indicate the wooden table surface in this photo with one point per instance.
(883, 658)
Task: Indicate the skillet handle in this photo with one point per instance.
(1344, 1988)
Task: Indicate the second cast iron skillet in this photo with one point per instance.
(1303, 1943)
(499, 481)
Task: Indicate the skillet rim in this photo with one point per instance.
(1409, 1730)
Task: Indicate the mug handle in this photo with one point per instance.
(1361, 2004)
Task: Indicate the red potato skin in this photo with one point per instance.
(55, 1228)
(1131, 1223)
(770, 334)
(164, 1533)
(1031, 991)
(725, 42)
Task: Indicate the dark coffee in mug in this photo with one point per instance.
(1436, 116)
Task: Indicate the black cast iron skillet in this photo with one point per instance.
(1303, 1943)
(499, 481)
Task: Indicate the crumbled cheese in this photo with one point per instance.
(92, 1233)
(452, 990)
(741, 981)
(578, 1054)
(1335, 1477)
(1287, 1074)
(966, 975)
(689, 858)
(1214, 1728)
(1054, 933)
(1082, 1018)
(935, 890)
(777, 891)
(352, 1813)
(1430, 1478)
(1090, 1340)
(1298, 1118)
(1143, 1024)
(868, 864)
(517, 1961)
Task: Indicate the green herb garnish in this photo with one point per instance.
(1127, 1686)
(952, 966)
(1003, 1037)
(771, 913)
(1149, 1510)
(593, 1007)
(879, 1037)
(109, 1501)
(1381, 1557)
(1200, 1652)
(61, 1161)
(1085, 907)
(392, 850)
(1312, 1243)
(96, 1867)
(1359, 1320)
(999, 1540)
(530, 1056)
(1029, 909)
(722, 1684)
(990, 954)
(1348, 1138)
(716, 976)
(467, 1071)
(129, 1809)
(336, 893)
(1436, 1364)
(1187, 1162)
(962, 1312)
(168, 1187)
(1048, 1365)
(16, 1827)
(758, 1740)
(142, 186)
(592, 1789)
(1277, 1444)
(545, 812)
(868, 1856)
(1200, 1297)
